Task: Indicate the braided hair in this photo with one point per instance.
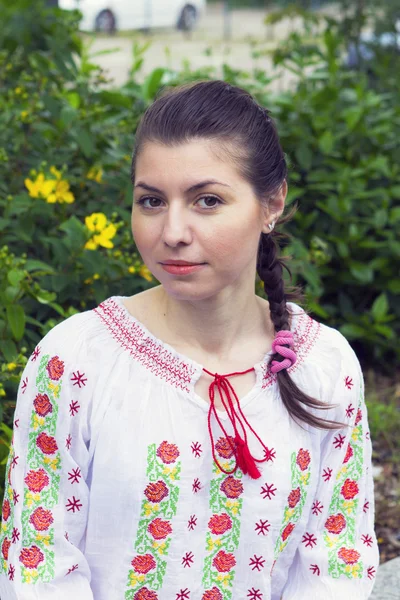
(216, 110)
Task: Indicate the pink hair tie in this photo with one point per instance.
(281, 338)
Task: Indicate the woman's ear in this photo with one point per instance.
(276, 206)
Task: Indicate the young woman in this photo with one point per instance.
(194, 441)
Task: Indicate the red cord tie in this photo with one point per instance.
(244, 459)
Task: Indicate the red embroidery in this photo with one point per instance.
(335, 523)
(187, 560)
(232, 487)
(37, 480)
(31, 557)
(74, 407)
(257, 562)
(74, 504)
(309, 540)
(213, 594)
(349, 555)
(159, 529)
(225, 446)
(287, 531)
(14, 461)
(254, 594)
(196, 486)
(24, 385)
(155, 492)
(366, 506)
(358, 417)
(183, 594)
(42, 405)
(41, 519)
(192, 522)
(15, 535)
(196, 449)
(367, 540)
(348, 382)
(15, 497)
(219, 524)
(371, 572)
(262, 527)
(327, 474)
(349, 489)
(317, 507)
(349, 454)
(270, 455)
(5, 547)
(46, 443)
(224, 561)
(16, 423)
(294, 497)
(168, 453)
(74, 568)
(315, 569)
(35, 354)
(303, 459)
(143, 563)
(11, 572)
(349, 410)
(267, 491)
(145, 594)
(74, 475)
(68, 441)
(339, 441)
(55, 368)
(79, 379)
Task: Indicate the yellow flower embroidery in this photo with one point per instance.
(136, 579)
(37, 421)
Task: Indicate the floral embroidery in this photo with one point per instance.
(223, 533)
(300, 467)
(315, 570)
(340, 527)
(155, 529)
(7, 514)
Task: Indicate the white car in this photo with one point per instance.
(110, 15)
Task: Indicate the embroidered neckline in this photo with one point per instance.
(179, 370)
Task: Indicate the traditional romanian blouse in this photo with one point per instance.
(112, 493)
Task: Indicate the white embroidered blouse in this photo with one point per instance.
(112, 493)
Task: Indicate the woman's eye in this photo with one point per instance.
(205, 198)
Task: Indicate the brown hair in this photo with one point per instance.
(216, 110)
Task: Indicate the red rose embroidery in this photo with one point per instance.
(213, 594)
(349, 489)
(46, 443)
(224, 562)
(349, 556)
(42, 405)
(55, 368)
(303, 459)
(145, 594)
(335, 523)
(224, 448)
(167, 452)
(232, 487)
(358, 417)
(159, 529)
(219, 524)
(37, 480)
(157, 491)
(31, 557)
(294, 497)
(6, 510)
(5, 548)
(143, 564)
(349, 454)
(41, 519)
(287, 531)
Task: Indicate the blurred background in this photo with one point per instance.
(75, 80)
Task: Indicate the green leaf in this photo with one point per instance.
(45, 297)
(326, 142)
(33, 264)
(15, 277)
(16, 320)
(85, 141)
(9, 349)
(304, 156)
(380, 307)
(352, 331)
(362, 273)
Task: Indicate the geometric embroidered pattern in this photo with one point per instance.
(222, 539)
(42, 480)
(300, 467)
(340, 526)
(155, 525)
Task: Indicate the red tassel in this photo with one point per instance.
(245, 460)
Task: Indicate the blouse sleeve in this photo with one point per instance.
(338, 555)
(46, 497)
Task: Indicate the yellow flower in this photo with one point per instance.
(37, 422)
(132, 269)
(43, 538)
(95, 174)
(103, 231)
(61, 193)
(89, 280)
(96, 276)
(159, 547)
(18, 91)
(41, 187)
(2, 391)
(305, 477)
(11, 366)
(354, 435)
(55, 388)
(24, 115)
(233, 505)
(136, 579)
(145, 273)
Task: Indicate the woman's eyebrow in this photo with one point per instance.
(192, 188)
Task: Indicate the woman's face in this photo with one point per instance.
(218, 224)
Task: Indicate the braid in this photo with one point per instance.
(270, 270)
